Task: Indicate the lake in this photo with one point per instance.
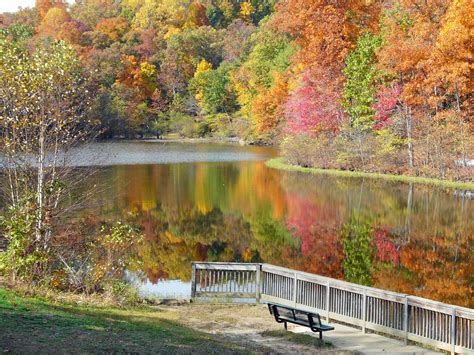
(220, 202)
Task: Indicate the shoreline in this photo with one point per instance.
(278, 163)
(171, 139)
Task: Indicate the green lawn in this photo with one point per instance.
(37, 325)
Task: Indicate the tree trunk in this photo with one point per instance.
(409, 123)
(40, 183)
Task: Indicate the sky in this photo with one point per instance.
(12, 5)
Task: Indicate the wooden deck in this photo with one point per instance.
(428, 322)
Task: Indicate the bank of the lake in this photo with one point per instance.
(279, 163)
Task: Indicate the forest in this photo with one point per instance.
(378, 86)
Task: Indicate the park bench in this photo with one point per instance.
(286, 315)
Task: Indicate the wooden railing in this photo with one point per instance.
(437, 324)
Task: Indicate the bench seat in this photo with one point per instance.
(286, 315)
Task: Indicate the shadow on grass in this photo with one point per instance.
(29, 325)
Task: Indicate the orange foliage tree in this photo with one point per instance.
(114, 27)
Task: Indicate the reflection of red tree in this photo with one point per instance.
(302, 214)
(386, 250)
(318, 230)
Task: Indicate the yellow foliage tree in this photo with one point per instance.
(246, 9)
(203, 67)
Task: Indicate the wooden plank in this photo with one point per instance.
(222, 266)
(364, 308)
(295, 288)
(465, 313)
(429, 304)
(453, 331)
(257, 285)
(328, 297)
(278, 270)
(193, 281)
(405, 320)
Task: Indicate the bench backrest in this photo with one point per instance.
(280, 311)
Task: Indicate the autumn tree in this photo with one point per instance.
(43, 107)
(114, 27)
(260, 81)
(44, 6)
(268, 106)
(409, 33)
(53, 21)
(313, 107)
(91, 12)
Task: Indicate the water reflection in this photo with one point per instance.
(406, 238)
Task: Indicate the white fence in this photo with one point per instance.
(408, 317)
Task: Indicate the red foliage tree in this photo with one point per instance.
(313, 107)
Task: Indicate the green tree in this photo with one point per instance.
(360, 87)
(214, 91)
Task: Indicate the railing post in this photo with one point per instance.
(328, 287)
(295, 284)
(364, 310)
(405, 319)
(193, 281)
(257, 283)
(453, 331)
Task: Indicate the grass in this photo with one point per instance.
(37, 325)
(278, 163)
(302, 339)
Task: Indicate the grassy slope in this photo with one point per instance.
(278, 163)
(36, 325)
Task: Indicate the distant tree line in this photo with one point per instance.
(361, 85)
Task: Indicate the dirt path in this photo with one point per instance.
(249, 325)
(253, 327)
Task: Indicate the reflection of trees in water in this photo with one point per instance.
(175, 238)
(359, 253)
(243, 211)
(420, 244)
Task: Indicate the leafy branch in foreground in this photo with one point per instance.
(45, 95)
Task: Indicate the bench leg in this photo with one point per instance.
(286, 326)
(320, 335)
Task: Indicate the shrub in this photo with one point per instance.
(183, 124)
(307, 151)
(23, 259)
(123, 293)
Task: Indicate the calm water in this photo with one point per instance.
(221, 203)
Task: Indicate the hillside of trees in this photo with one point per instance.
(380, 86)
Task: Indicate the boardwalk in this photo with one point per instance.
(398, 315)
